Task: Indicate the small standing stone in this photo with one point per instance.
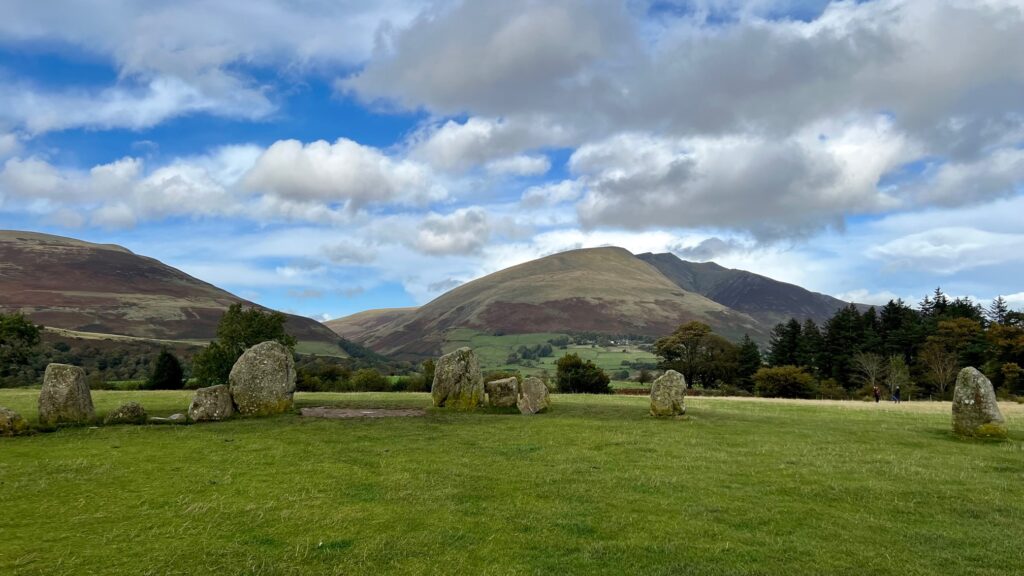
(534, 397)
(262, 381)
(668, 395)
(502, 393)
(130, 413)
(975, 409)
(12, 423)
(65, 397)
(458, 382)
(211, 404)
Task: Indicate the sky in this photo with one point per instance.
(326, 157)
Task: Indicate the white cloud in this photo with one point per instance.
(951, 250)
(456, 147)
(865, 296)
(464, 231)
(345, 173)
(10, 145)
(521, 165)
(552, 194)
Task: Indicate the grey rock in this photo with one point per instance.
(502, 393)
(12, 423)
(458, 382)
(65, 397)
(975, 409)
(211, 404)
(262, 381)
(668, 395)
(533, 397)
(130, 413)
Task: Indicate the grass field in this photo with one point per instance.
(594, 487)
(493, 351)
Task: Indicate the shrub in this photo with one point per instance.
(369, 380)
(167, 373)
(784, 382)
(575, 375)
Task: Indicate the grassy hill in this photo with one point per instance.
(102, 289)
(604, 290)
(738, 487)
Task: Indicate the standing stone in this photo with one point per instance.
(65, 397)
(458, 382)
(533, 396)
(11, 423)
(262, 381)
(502, 393)
(668, 395)
(211, 404)
(975, 410)
(130, 413)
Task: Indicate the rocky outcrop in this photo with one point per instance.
(975, 409)
(262, 381)
(668, 395)
(211, 404)
(533, 397)
(502, 393)
(12, 423)
(130, 413)
(65, 397)
(458, 382)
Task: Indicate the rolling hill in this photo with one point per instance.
(768, 301)
(607, 290)
(102, 288)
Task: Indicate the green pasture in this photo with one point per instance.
(594, 487)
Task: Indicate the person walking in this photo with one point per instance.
(877, 392)
(896, 395)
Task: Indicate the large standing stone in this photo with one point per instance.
(262, 381)
(502, 393)
(975, 410)
(65, 397)
(130, 413)
(211, 404)
(11, 423)
(668, 395)
(457, 381)
(533, 396)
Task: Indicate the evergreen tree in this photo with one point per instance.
(809, 346)
(783, 348)
(167, 373)
(844, 335)
(748, 363)
(996, 313)
(872, 330)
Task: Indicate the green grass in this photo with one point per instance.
(594, 487)
(493, 351)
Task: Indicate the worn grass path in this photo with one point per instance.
(595, 487)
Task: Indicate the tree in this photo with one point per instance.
(869, 368)
(809, 345)
(784, 344)
(1011, 373)
(166, 374)
(644, 376)
(940, 365)
(428, 373)
(748, 361)
(843, 339)
(18, 336)
(897, 374)
(239, 328)
(962, 336)
(784, 382)
(574, 375)
(702, 357)
(369, 380)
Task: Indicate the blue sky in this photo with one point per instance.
(329, 157)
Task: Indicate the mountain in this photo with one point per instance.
(353, 327)
(606, 290)
(768, 301)
(102, 288)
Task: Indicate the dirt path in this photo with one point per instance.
(342, 413)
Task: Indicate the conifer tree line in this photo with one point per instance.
(921, 349)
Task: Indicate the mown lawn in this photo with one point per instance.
(595, 487)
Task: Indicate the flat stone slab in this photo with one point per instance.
(343, 413)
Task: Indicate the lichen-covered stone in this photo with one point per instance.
(211, 404)
(65, 397)
(502, 393)
(130, 413)
(975, 409)
(533, 397)
(458, 382)
(262, 381)
(12, 423)
(668, 395)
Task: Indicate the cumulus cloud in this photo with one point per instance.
(344, 172)
(521, 165)
(708, 249)
(552, 194)
(950, 250)
(458, 147)
(464, 231)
